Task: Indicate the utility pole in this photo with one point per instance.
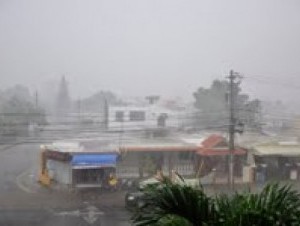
(106, 113)
(37, 112)
(231, 128)
(36, 99)
(79, 110)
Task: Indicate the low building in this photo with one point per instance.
(144, 157)
(89, 162)
(80, 163)
(277, 161)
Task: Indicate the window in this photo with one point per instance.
(185, 155)
(137, 116)
(119, 116)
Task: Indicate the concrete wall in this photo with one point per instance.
(61, 172)
(150, 121)
(133, 163)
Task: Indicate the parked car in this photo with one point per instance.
(134, 199)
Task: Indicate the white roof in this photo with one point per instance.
(195, 141)
(83, 145)
(113, 143)
(281, 150)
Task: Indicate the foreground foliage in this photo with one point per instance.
(174, 204)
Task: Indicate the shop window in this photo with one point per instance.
(137, 116)
(185, 155)
(119, 116)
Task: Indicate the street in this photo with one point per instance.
(43, 217)
(24, 202)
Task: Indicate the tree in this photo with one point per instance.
(212, 103)
(18, 111)
(96, 102)
(175, 204)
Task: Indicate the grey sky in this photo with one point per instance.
(137, 47)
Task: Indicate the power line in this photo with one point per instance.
(270, 81)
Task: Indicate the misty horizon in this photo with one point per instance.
(137, 48)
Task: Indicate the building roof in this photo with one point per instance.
(158, 144)
(94, 145)
(221, 152)
(212, 145)
(113, 143)
(216, 145)
(212, 141)
(282, 149)
(170, 148)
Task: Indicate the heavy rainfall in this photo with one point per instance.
(144, 112)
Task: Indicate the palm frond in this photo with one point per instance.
(188, 203)
(175, 204)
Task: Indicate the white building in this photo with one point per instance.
(143, 117)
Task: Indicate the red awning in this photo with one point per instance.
(220, 152)
(159, 148)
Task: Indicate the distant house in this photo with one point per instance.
(122, 118)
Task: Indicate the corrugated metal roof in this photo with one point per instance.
(212, 141)
(279, 150)
(221, 152)
(143, 148)
(211, 147)
(113, 143)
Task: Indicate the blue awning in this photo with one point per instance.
(94, 160)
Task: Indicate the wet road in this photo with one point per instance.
(13, 162)
(72, 217)
(21, 206)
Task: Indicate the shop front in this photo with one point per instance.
(92, 170)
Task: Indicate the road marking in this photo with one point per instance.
(90, 214)
(21, 185)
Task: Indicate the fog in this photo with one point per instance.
(166, 47)
(99, 99)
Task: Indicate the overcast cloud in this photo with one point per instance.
(139, 47)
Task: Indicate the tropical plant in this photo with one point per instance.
(173, 220)
(168, 199)
(176, 204)
(275, 205)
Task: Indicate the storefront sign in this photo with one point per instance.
(59, 156)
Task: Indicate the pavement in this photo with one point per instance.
(79, 217)
(23, 201)
(27, 182)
